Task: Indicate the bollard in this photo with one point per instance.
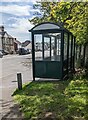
(19, 80)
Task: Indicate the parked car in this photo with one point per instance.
(28, 51)
(22, 51)
(1, 54)
(4, 52)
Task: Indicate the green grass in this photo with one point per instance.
(61, 100)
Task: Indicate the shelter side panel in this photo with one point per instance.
(48, 69)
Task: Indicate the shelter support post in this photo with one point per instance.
(62, 51)
(68, 55)
(33, 57)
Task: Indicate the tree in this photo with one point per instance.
(72, 15)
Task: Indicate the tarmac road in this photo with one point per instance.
(10, 65)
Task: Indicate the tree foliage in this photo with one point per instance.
(72, 15)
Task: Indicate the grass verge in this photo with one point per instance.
(61, 100)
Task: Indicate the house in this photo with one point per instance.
(7, 42)
(1, 36)
(17, 45)
(27, 45)
(0, 41)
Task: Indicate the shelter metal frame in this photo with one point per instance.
(64, 66)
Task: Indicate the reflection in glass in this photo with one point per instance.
(52, 45)
(46, 47)
(38, 46)
(58, 46)
(70, 46)
(65, 45)
(73, 47)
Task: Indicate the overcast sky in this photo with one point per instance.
(14, 14)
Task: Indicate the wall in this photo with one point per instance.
(0, 43)
(29, 46)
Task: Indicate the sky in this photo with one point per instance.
(14, 15)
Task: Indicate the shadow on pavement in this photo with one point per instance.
(13, 113)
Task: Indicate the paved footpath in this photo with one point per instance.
(9, 67)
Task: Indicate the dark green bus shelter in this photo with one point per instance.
(53, 51)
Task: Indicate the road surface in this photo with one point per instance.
(10, 65)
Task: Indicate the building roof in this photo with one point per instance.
(45, 26)
(27, 42)
(2, 33)
(16, 41)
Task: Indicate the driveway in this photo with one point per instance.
(10, 65)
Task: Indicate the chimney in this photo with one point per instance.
(1, 28)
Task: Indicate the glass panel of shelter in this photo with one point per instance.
(38, 46)
(65, 64)
(73, 46)
(73, 42)
(52, 45)
(47, 46)
(65, 45)
(69, 60)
